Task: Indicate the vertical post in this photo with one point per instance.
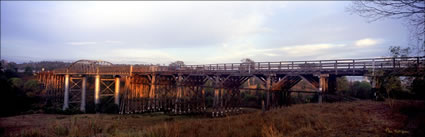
(393, 62)
(373, 67)
(83, 94)
(269, 66)
(179, 91)
(216, 94)
(66, 94)
(375, 87)
(117, 90)
(292, 66)
(320, 89)
(258, 65)
(417, 63)
(152, 93)
(335, 67)
(97, 89)
(204, 107)
(269, 86)
(131, 70)
(249, 68)
(320, 64)
(323, 85)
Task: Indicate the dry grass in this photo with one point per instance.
(360, 118)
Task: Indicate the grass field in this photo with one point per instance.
(359, 118)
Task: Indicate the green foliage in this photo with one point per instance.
(362, 90)
(32, 88)
(358, 89)
(342, 85)
(28, 70)
(249, 100)
(107, 105)
(301, 98)
(176, 64)
(16, 82)
(396, 51)
(418, 87)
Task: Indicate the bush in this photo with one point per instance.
(418, 87)
(32, 88)
(16, 82)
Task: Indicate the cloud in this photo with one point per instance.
(366, 42)
(163, 24)
(81, 43)
(113, 42)
(195, 32)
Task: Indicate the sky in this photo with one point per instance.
(146, 32)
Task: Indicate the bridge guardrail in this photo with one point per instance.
(311, 65)
(347, 64)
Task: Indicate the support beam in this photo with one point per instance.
(83, 94)
(97, 90)
(376, 84)
(323, 86)
(152, 102)
(269, 88)
(117, 90)
(66, 94)
(177, 107)
(216, 101)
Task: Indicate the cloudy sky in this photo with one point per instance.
(194, 32)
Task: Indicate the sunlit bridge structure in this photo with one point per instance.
(182, 89)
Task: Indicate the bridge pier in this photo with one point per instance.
(269, 89)
(117, 90)
(83, 94)
(152, 99)
(323, 87)
(177, 104)
(216, 101)
(376, 87)
(66, 93)
(97, 90)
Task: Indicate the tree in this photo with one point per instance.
(247, 63)
(362, 89)
(32, 88)
(418, 87)
(16, 82)
(413, 11)
(342, 84)
(28, 70)
(176, 64)
(396, 51)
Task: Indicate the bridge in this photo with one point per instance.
(184, 89)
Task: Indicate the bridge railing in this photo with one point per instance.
(313, 65)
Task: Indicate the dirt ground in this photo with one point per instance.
(359, 118)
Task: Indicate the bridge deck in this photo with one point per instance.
(401, 66)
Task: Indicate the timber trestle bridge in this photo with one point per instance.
(183, 89)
